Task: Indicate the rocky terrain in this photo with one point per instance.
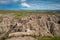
(28, 27)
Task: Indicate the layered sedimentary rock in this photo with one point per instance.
(32, 25)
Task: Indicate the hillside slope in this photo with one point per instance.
(30, 25)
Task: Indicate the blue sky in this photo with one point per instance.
(29, 4)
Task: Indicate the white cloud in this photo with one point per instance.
(24, 4)
(4, 1)
(8, 1)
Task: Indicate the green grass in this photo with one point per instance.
(50, 38)
(19, 14)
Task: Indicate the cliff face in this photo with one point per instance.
(32, 25)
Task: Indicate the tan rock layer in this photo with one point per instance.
(39, 25)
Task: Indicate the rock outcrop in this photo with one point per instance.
(32, 25)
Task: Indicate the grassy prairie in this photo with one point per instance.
(18, 14)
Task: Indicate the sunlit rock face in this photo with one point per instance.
(42, 25)
(22, 38)
(33, 25)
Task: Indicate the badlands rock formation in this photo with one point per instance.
(32, 25)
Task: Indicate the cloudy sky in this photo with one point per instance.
(29, 4)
